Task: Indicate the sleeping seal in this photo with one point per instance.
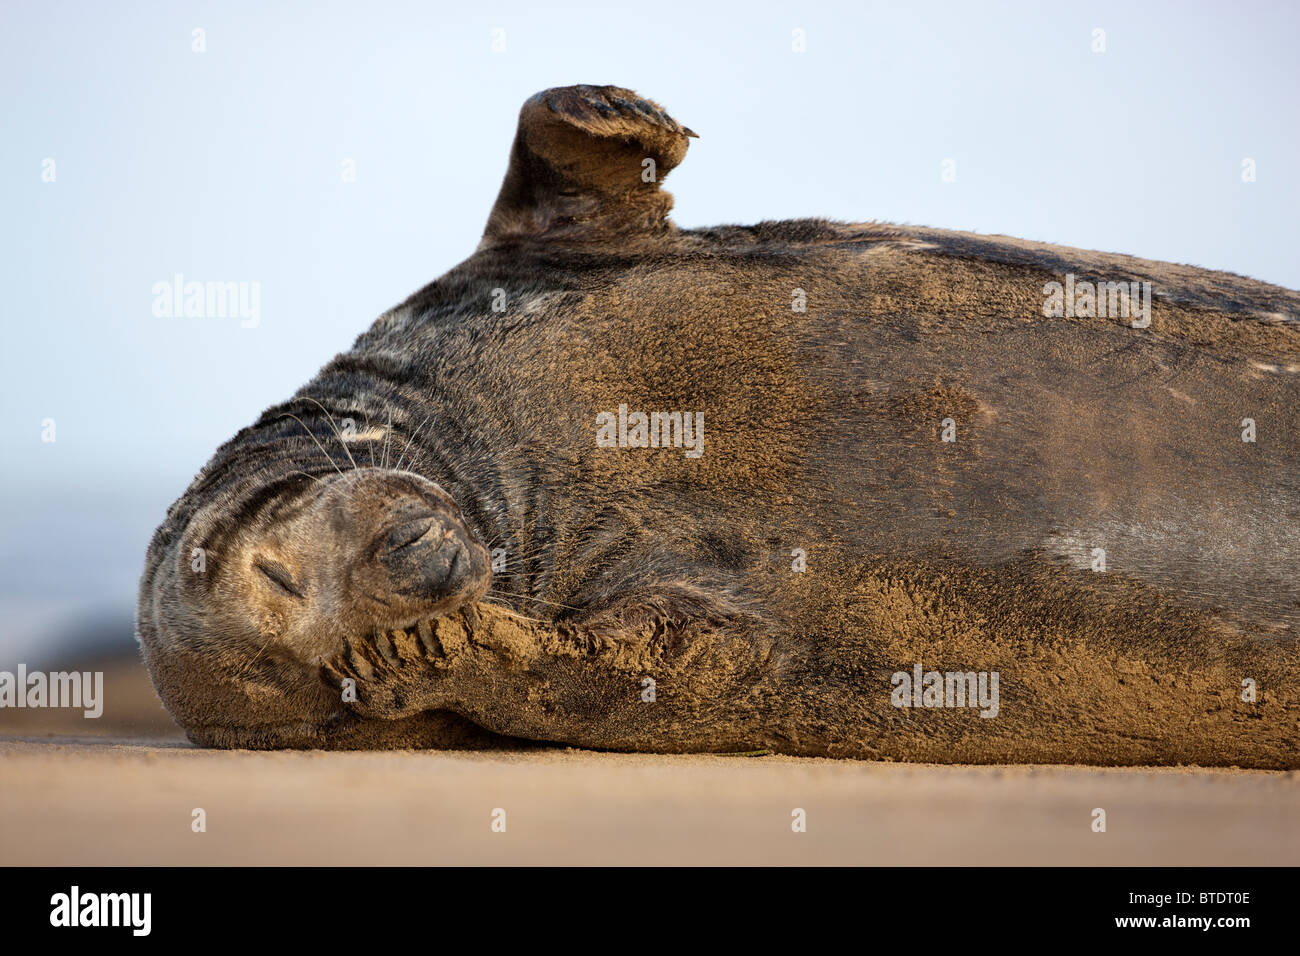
(820, 488)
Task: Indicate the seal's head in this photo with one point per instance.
(246, 597)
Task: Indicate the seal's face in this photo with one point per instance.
(244, 616)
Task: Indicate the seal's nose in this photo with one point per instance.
(405, 534)
(427, 558)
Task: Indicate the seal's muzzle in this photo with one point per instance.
(430, 558)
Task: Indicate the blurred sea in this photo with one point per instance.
(70, 561)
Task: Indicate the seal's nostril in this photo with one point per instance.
(407, 534)
(435, 565)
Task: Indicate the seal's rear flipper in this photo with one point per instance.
(586, 165)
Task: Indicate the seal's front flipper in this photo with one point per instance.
(586, 166)
(646, 675)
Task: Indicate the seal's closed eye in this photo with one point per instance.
(279, 576)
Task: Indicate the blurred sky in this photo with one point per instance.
(226, 165)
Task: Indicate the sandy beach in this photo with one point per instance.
(123, 790)
(118, 802)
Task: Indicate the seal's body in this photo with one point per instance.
(825, 489)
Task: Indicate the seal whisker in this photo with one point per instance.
(370, 444)
(411, 438)
(511, 612)
(315, 439)
(249, 666)
(388, 436)
(337, 433)
(514, 561)
(525, 552)
(529, 597)
(347, 495)
(315, 478)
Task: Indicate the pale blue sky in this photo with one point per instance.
(225, 166)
